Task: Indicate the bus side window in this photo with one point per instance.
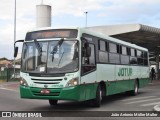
(124, 56)
(140, 57)
(133, 58)
(112, 48)
(128, 51)
(132, 52)
(124, 50)
(103, 54)
(145, 56)
(113, 53)
(102, 45)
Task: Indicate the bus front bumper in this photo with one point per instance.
(68, 93)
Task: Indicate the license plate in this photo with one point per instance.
(45, 91)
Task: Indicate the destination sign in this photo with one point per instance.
(56, 33)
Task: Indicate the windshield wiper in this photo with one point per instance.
(55, 49)
(39, 48)
(60, 59)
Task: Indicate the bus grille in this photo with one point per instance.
(46, 81)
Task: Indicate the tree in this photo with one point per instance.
(3, 58)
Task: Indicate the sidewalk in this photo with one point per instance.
(154, 82)
(10, 85)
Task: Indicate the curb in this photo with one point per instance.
(156, 108)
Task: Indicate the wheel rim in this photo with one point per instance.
(100, 95)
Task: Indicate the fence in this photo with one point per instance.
(7, 74)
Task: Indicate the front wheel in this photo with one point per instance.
(53, 102)
(97, 101)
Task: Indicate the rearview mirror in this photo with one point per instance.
(16, 48)
(15, 51)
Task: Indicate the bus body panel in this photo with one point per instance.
(90, 84)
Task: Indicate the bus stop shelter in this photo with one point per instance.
(142, 35)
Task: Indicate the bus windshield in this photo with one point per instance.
(63, 59)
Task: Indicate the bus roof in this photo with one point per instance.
(104, 36)
(50, 28)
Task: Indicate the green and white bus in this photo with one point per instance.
(80, 65)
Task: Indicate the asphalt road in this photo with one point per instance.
(144, 101)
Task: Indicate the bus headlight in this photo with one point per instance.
(73, 82)
(23, 82)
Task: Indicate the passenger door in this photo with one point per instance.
(88, 73)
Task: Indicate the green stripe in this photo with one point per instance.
(81, 92)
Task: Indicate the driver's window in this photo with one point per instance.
(92, 57)
(88, 63)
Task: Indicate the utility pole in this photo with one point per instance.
(86, 18)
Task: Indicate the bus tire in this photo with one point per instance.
(53, 102)
(135, 91)
(98, 99)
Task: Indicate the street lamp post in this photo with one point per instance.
(14, 32)
(86, 17)
(15, 22)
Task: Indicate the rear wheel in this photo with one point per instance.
(135, 91)
(53, 102)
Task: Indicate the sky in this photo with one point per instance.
(71, 13)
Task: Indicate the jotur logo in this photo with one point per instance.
(125, 72)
